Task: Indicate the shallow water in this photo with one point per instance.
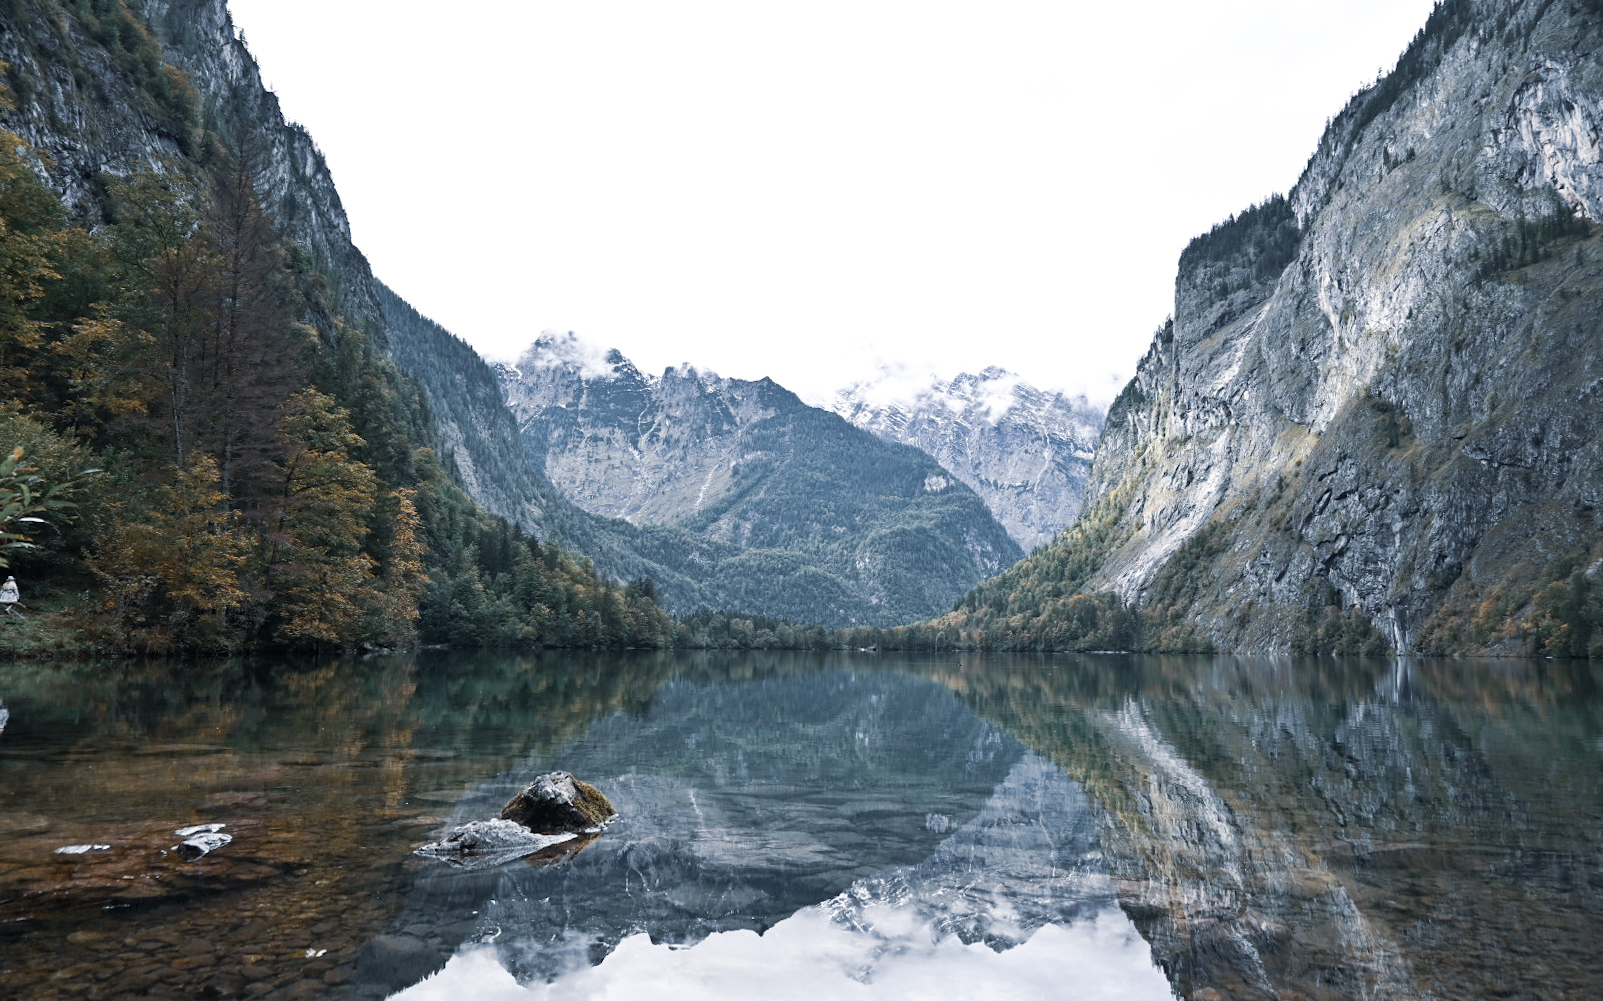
(809, 826)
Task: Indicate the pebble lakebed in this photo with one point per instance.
(282, 912)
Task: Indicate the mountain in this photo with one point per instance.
(1026, 452)
(771, 506)
(483, 447)
(125, 87)
(183, 311)
(1376, 420)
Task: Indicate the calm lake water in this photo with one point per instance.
(809, 826)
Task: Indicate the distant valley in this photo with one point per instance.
(766, 504)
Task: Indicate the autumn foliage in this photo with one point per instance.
(265, 476)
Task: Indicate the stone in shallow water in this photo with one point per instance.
(485, 843)
(557, 802)
(202, 845)
(200, 840)
(134, 863)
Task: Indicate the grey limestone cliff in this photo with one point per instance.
(1382, 397)
(99, 112)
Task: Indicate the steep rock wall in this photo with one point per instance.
(98, 116)
(1382, 394)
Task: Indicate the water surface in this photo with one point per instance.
(800, 825)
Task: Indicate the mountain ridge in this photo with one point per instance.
(198, 327)
(831, 515)
(1025, 451)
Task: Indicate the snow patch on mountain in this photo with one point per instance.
(1025, 451)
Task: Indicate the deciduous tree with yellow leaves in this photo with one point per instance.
(172, 565)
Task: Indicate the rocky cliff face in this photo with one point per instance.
(1026, 452)
(624, 446)
(1383, 395)
(775, 507)
(98, 96)
(480, 442)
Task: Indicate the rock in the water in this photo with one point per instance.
(556, 802)
(485, 843)
(201, 845)
(200, 840)
(130, 864)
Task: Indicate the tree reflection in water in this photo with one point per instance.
(1273, 827)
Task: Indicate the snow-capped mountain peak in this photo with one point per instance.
(1026, 451)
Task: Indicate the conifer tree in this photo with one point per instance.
(165, 270)
(248, 360)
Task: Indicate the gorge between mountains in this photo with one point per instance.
(1369, 425)
(1277, 678)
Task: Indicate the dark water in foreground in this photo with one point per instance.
(810, 826)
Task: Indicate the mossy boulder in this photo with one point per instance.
(558, 803)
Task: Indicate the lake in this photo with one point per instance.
(795, 825)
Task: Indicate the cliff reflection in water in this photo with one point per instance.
(1335, 829)
(1272, 827)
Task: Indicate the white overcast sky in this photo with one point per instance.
(807, 190)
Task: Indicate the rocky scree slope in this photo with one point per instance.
(1379, 404)
(1026, 452)
(771, 506)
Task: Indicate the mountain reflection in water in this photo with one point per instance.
(1269, 827)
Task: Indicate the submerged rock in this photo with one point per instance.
(556, 802)
(129, 864)
(200, 840)
(485, 843)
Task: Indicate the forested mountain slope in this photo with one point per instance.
(181, 310)
(482, 445)
(1376, 419)
(769, 505)
(1026, 452)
